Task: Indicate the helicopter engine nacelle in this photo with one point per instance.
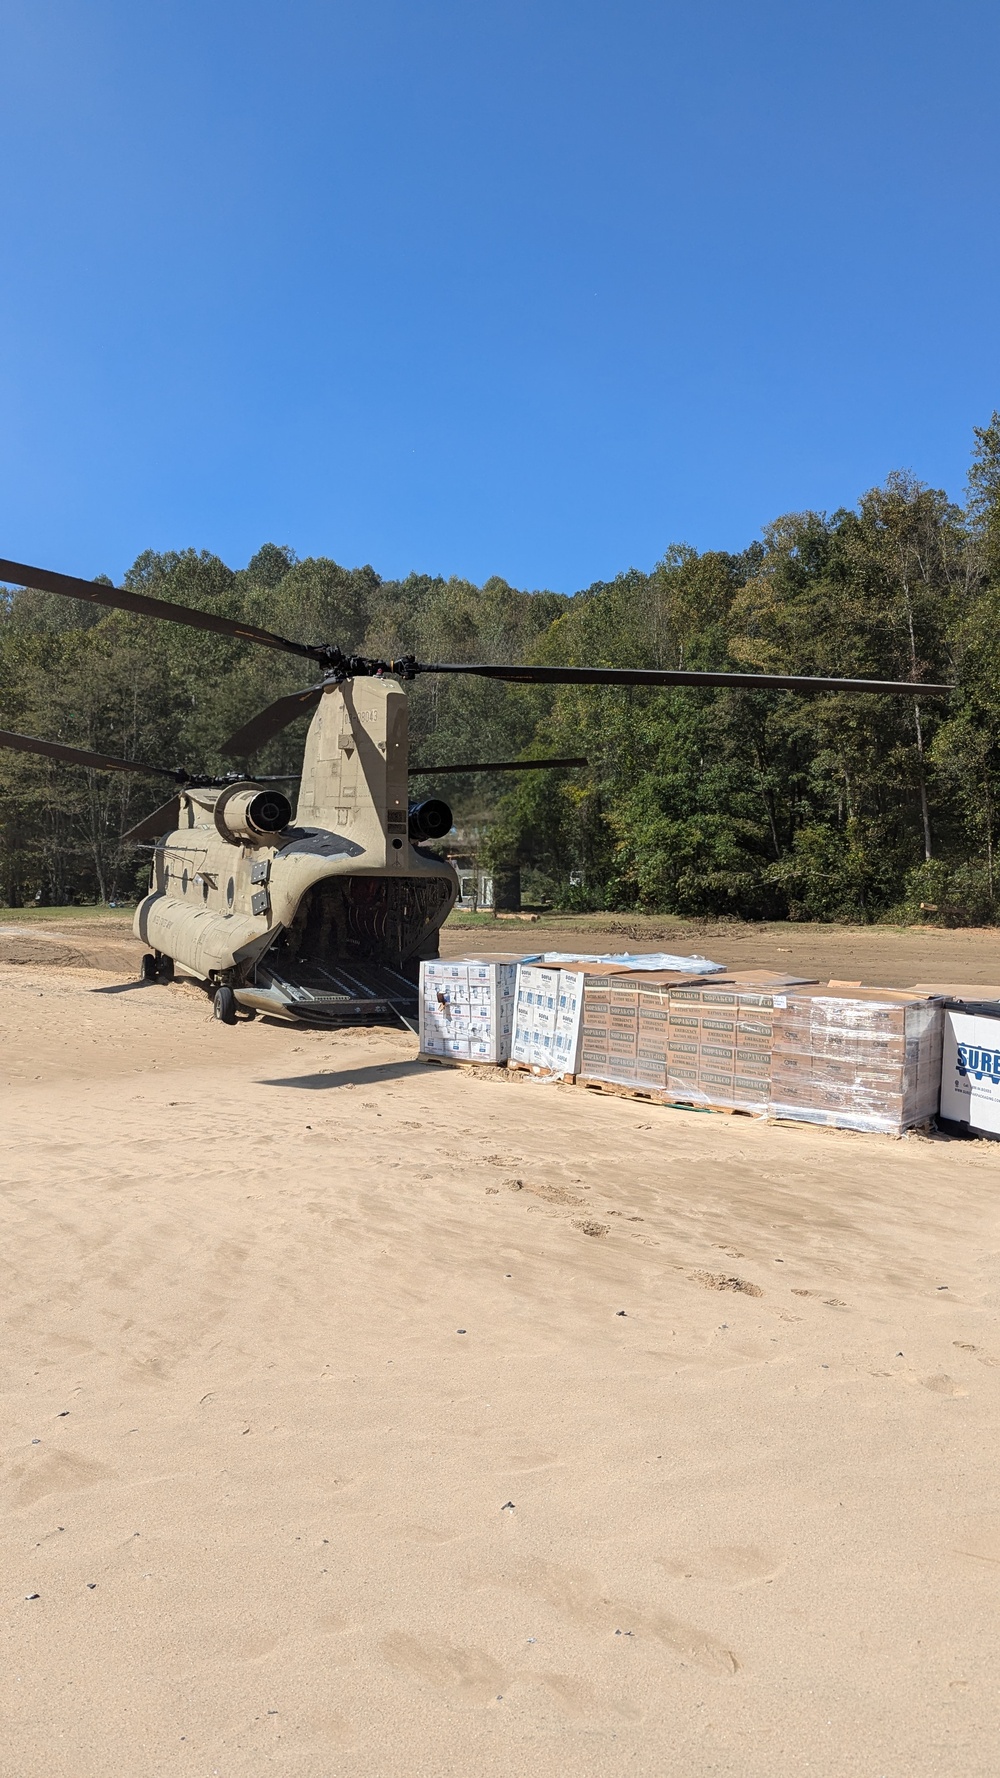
(251, 812)
(429, 820)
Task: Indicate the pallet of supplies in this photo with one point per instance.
(597, 1020)
(858, 1058)
(624, 1028)
(467, 1007)
(547, 1015)
(720, 1040)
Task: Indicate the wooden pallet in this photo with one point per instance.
(541, 1073)
(659, 1096)
(458, 1061)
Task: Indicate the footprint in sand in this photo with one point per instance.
(330, 1729)
(554, 1194)
(732, 1565)
(977, 1352)
(467, 1675)
(570, 1700)
(51, 1472)
(580, 1597)
(256, 1648)
(944, 1385)
(527, 1462)
(725, 1281)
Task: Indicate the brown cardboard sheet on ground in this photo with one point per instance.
(763, 978)
(957, 990)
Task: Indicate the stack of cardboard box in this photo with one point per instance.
(860, 1058)
(686, 1039)
(467, 1008)
(756, 1041)
(624, 1027)
(547, 1017)
(721, 1039)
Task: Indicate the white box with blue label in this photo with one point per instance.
(467, 1007)
(970, 1066)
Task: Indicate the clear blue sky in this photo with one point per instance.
(531, 287)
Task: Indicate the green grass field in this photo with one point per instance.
(34, 916)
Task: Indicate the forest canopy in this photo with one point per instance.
(696, 802)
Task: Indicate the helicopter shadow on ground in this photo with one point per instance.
(368, 1076)
(119, 987)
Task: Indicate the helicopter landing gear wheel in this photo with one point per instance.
(165, 969)
(224, 1006)
(148, 971)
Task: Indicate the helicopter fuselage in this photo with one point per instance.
(320, 918)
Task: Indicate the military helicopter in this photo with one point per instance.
(324, 914)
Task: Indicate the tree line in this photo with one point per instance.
(697, 802)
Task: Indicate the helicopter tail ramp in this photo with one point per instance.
(333, 993)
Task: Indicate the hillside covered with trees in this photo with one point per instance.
(760, 805)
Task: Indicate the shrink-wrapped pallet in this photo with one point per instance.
(547, 1014)
(685, 1038)
(859, 1058)
(720, 1039)
(467, 1007)
(624, 1025)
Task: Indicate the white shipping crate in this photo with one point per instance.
(970, 1070)
(466, 1008)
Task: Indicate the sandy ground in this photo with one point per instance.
(371, 1419)
(884, 956)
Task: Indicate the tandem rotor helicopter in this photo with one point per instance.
(324, 914)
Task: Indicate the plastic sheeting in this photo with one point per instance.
(637, 960)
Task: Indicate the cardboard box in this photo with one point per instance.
(863, 1058)
(964, 991)
(466, 1008)
(549, 1008)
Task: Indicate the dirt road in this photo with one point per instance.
(884, 956)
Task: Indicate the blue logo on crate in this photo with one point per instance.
(983, 1064)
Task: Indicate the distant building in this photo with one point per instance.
(485, 891)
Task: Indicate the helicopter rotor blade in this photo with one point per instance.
(271, 721)
(509, 765)
(664, 676)
(76, 756)
(162, 820)
(68, 586)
